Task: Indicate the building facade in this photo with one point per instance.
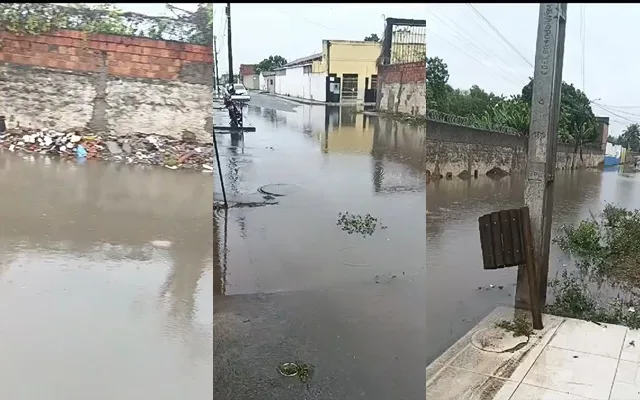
(248, 76)
(345, 72)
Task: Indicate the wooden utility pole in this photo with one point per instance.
(229, 47)
(542, 143)
(216, 67)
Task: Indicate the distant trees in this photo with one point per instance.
(578, 125)
(271, 63)
(372, 38)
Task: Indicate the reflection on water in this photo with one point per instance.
(293, 282)
(86, 299)
(340, 159)
(454, 304)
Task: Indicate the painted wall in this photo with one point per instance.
(458, 150)
(251, 82)
(295, 83)
(353, 57)
(402, 88)
(107, 83)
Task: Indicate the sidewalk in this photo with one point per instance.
(568, 360)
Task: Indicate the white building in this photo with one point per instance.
(296, 79)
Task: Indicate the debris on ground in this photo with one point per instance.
(290, 369)
(137, 148)
(362, 224)
(520, 326)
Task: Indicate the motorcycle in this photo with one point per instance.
(235, 114)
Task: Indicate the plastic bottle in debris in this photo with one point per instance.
(81, 152)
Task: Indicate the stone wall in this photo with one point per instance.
(402, 88)
(456, 150)
(108, 83)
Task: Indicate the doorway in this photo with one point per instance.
(349, 87)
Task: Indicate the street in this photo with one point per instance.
(105, 281)
(290, 285)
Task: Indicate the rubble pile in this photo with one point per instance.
(185, 153)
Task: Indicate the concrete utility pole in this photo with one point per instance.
(543, 140)
(216, 67)
(228, 10)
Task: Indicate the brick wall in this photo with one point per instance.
(106, 82)
(402, 88)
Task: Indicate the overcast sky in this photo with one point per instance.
(477, 55)
(297, 30)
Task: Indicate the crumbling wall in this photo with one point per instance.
(402, 88)
(108, 83)
(462, 151)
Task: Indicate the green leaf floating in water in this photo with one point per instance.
(362, 224)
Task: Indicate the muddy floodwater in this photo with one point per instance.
(105, 281)
(459, 291)
(290, 285)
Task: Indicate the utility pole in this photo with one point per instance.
(542, 142)
(216, 67)
(229, 47)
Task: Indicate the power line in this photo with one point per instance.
(469, 55)
(479, 14)
(465, 38)
(622, 112)
(614, 114)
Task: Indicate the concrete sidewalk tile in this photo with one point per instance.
(628, 372)
(624, 391)
(581, 374)
(511, 365)
(528, 392)
(631, 346)
(588, 337)
(457, 384)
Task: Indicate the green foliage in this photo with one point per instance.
(606, 246)
(437, 88)
(630, 138)
(271, 63)
(372, 38)
(578, 125)
(604, 249)
(41, 18)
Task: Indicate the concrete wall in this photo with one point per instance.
(251, 82)
(456, 149)
(295, 83)
(352, 57)
(109, 83)
(402, 88)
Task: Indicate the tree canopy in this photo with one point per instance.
(271, 63)
(372, 38)
(578, 124)
(39, 18)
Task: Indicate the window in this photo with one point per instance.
(270, 81)
(306, 69)
(349, 87)
(374, 81)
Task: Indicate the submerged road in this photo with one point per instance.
(289, 285)
(105, 281)
(459, 292)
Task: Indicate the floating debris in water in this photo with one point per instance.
(290, 369)
(163, 244)
(362, 224)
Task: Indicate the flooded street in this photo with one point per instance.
(290, 285)
(105, 281)
(459, 292)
